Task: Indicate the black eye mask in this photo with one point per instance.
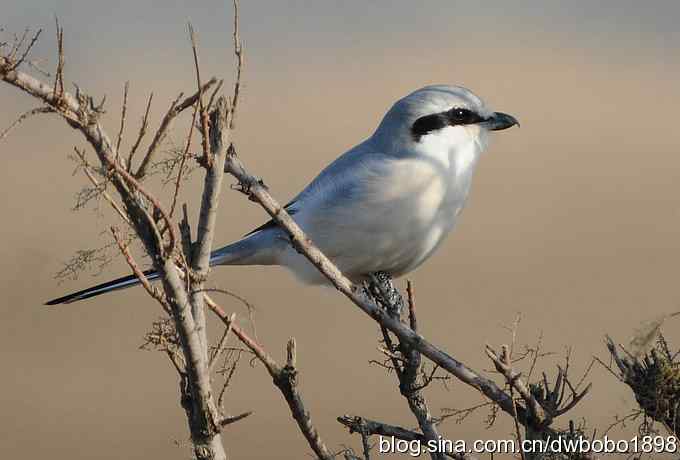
(455, 116)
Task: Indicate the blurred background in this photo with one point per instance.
(573, 221)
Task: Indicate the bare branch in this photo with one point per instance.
(27, 50)
(285, 379)
(175, 109)
(413, 322)
(407, 368)
(215, 91)
(354, 423)
(141, 134)
(223, 340)
(152, 291)
(122, 117)
(59, 74)
(229, 420)
(203, 114)
(169, 225)
(185, 155)
(163, 337)
(370, 427)
(23, 117)
(501, 362)
(229, 373)
(82, 260)
(99, 186)
(238, 52)
(68, 108)
(212, 184)
(461, 414)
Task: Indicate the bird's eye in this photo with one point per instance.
(433, 122)
(460, 116)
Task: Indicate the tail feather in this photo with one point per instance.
(260, 248)
(113, 285)
(257, 249)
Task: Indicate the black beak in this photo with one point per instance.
(500, 120)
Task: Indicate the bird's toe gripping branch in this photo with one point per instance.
(380, 287)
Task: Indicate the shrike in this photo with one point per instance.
(385, 205)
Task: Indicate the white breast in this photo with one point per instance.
(405, 210)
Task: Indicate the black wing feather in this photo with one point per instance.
(270, 223)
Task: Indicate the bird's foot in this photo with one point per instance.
(381, 287)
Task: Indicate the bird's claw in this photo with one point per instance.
(381, 288)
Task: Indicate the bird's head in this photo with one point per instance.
(440, 116)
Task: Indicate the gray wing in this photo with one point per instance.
(332, 175)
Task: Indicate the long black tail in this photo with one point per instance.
(120, 283)
(256, 249)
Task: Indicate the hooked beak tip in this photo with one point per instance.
(500, 121)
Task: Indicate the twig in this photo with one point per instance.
(17, 45)
(229, 420)
(223, 340)
(185, 155)
(246, 303)
(238, 52)
(506, 358)
(86, 168)
(413, 321)
(215, 91)
(575, 399)
(175, 109)
(371, 427)
(27, 50)
(365, 445)
(153, 292)
(122, 117)
(170, 226)
(407, 371)
(59, 74)
(203, 114)
(230, 374)
(535, 356)
(512, 377)
(461, 414)
(23, 117)
(141, 134)
(285, 379)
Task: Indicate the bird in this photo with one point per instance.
(385, 205)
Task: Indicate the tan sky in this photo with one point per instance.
(573, 219)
